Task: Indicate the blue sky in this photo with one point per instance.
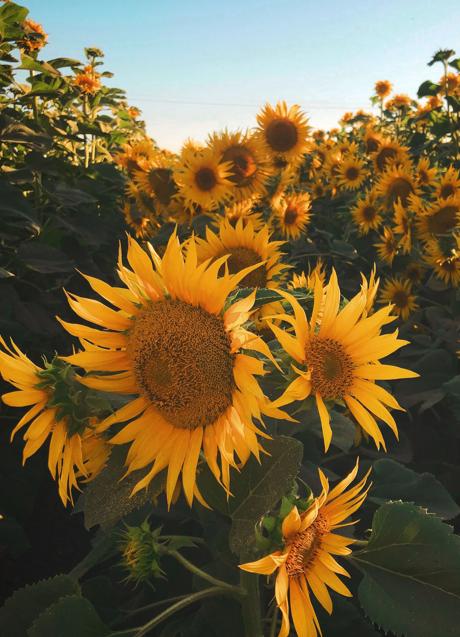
(194, 66)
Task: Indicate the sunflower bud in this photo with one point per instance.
(140, 549)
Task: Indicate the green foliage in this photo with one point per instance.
(71, 616)
(26, 604)
(411, 569)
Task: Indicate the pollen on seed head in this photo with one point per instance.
(331, 367)
(304, 547)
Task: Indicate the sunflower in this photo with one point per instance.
(400, 101)
(414, 272)
(387, 248)
(72, 450)
(445, 261)
(339, 358)
(293, 213)
(403, 226)
(283, 131)
(388, 153)
(305, 563)
(244, 210)
(333, 162)
(367, 213)
(302, 280)
(372, 140)
(203, 179)
(383, 88)
(425, 173)
(449, 184)
(34, 38)
(398, 292)
(170, 345)
(88, 81)
(438, 218)
(245, 247)
(157, 180)
(396, 184)
(136, 155)
(351, 173)
(318, 189)
(248, 164)
(137, 220)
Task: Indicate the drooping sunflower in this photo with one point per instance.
(438, 218)
(383, 88)
(74, 449)
(292, 214)
(387, 248)
(351, 173)
(248, 162)
(367, 213)
(403, 226)
(388, 153)
(396, 184)
(203, 179)
(245, 210)
(426, 174)
(170, 345)
(283, 131)
(339, 358)
(140, 222)
(398, 292)
(306, 564)
(445, 260)
(449, 184)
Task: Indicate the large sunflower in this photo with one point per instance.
(339, 358)
(248, 163)
(398, 292)
(283, 131)
(170, 343)
(75, 449)
(306, 564)
(203, 179)
(292, 214)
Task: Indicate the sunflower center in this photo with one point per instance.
(400, 188)
(205, 179)
(400, 298)
(162, 182)
(447, 191)
(384, 155)
(330, 366)
(241, 258)
(243, 164)
(352, 173)
(372, 144)
(369, 213)
(290, 216)
(281, 135)
(183, 363)
(304, 547)
(443, 221)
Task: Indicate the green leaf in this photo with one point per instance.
(392, 481)
(256, 490)
(107, 498)
(71, 616)
(411, 569)
(58, 63)
(44, 258)
(343, 428)
(428, 88)
(20, 610)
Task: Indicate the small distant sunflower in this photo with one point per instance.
(293, 213)
(203, 179)
(248, 163)
(302, 281)
(351, 173)
(414, 272)
(88, 80)
(283, 131)
(388, 153)
(136, 155)
(449, 184)
(438, 218)
(305, 564)
(367, 213)
(244, 210)
(157, 179)
(387, 248)
(398, 292)
(445, 261)
(74, 450)
(340, 357)
(426, 174)
(244, 246)
(34, 38)
(400, 101)
(184, 361)
(383, 88)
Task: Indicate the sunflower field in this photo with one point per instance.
(230, 375)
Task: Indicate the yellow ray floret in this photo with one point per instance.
(306, 566)
(339, 356)
(168, 341)
(283, 131)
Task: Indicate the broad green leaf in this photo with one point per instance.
(411, 569)
(107, 498)
(343, 428)
(391, 481)
(22, 608)
(44, 258)
(71, 616)
(255, 490)
(428, 88)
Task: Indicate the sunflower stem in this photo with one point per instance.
(251, 605)
(274, 622)
(235, 590)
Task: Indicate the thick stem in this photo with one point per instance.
(251, 605)
(235, 590)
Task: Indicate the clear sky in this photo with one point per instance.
(194, 66)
